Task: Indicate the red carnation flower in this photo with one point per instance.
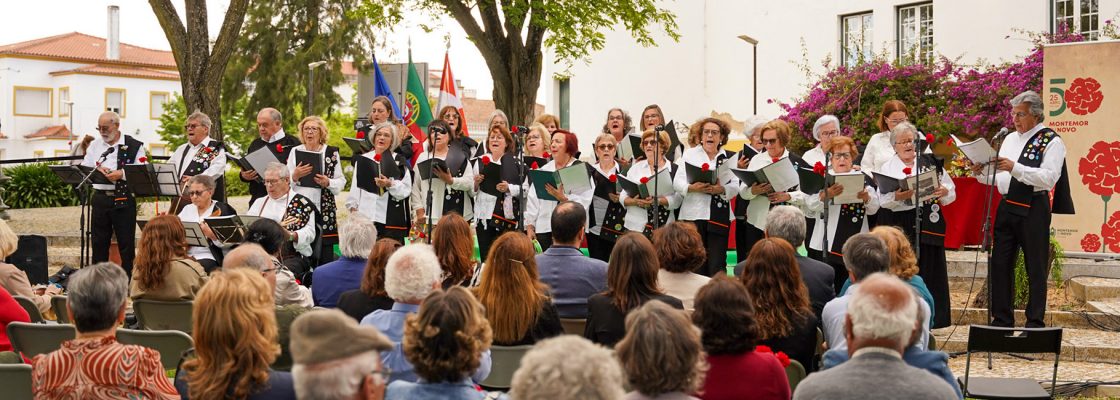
(906, 170)
(1091, 243)
(645, 179)
(143, 159)
(763, 349)
(950, 141)
(546, 155)
(279, 147)
(613, 178)
(775, 159)
(783, 358)
(377, 157)
(1111, 232)
(1084, 96)
(705, 167)
(534, 166)
(70, 142)
(819, 168)
(208, 150)
(930, 138)
(485, 160)
(1100, 170)
(360, 135)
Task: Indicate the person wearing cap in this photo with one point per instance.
(335, 358)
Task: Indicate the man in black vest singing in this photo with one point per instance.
(1031, 163)
(200, 155)
(272, 136)
(114, 207)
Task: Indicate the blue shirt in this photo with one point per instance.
(331, 279)
(464, 390)
(279, 387)
(835, 312)
(915, 282)
(391, 324)
(573, 277)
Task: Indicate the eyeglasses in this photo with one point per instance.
(614, 118)
(768, 141)
(842, 156)
(904, 143)
(274, 181)
(833, 132)
(191, 126)
(311, 129)
(193, 193)
(104, 128)
(605, 146)
(1019, 114)
(648, 143)
(436, 130)
(651, 116)
(712, 132)
(897, 120)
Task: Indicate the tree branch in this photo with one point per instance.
(228, 34)
(173, 29)
(462, 15)
(489, 11)
(513, 30)
(535, 37)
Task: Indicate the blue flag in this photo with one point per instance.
(381, 88)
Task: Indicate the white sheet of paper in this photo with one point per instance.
(853, 183)
(574, 178)
(978, 151)
(664, 184)
(782, 175)
(260, 159)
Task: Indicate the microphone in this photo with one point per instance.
(659, 128)
(108, 151)
(1002, 132)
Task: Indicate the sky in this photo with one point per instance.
(32, 19)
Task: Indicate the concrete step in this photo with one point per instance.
(1085, 288)
(969, 263)
(1083, 345)
(1065, 319)
(57, 256)
(1106, 306)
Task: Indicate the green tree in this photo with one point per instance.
(511, 35)
(175, 116)
(279, 40)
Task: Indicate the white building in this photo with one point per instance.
(710, 69)
(39, 77)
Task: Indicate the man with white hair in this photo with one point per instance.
(882, 315)
(337, 359)
(295, 213)
(1031, 163)
(411, 274)
(114, 207)
(568, 367)
(200, 155)
(356, 238)
(272, 137)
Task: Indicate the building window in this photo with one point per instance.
(33, 101)
(61, 153)
(915, 33)
(115, 101)
(63, 98)
(37, 154)
(157, 149)
(855, 38)
(1079, 16)
(565, 102)
(156, 101)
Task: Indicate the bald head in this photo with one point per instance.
(268, 122)
(881, 313)
(249, 255)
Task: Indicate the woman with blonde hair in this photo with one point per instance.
(444, 342)
(13, 279)
(235, 341)
(548, 121)
(163, 271)
(517, 303)
(453, 243)
(322, 188)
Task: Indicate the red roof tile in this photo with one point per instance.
(51, 132)
(81, 47)
(125, 71)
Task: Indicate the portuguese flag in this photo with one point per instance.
(417, 112)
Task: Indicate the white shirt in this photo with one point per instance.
(538, 213)
(637, 217)
(217, 166)
(1042, 178)
(814, 206)
(697, 206)
(441, 191)
(759, 206)
(97, 147)
(682, 285)
(484, 203)
(836, 311)
(894, 168)
(275, 209)
(813, 156)
(879, 150)
(375, 206)
(276, 136)
(600, 205)
(190, 214)
(337, 180)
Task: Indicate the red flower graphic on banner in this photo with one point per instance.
(1091, 243)
(1084, 96)
(1111, 232)
(1100, 169)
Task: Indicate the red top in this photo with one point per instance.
(100, 369)
(751, 375)
(9, 311)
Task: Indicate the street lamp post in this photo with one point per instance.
(754, 68)
(311, 85)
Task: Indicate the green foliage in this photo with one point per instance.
(234, 185)
(172, 121)
(35, 186)
(279, 40)
(238, 130)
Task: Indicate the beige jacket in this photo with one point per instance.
(15, 281)
(183, 281)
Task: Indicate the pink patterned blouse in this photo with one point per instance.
(100, 369)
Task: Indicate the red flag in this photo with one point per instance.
(448, 94)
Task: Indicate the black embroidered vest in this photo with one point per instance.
(327, 217)
(126, 154)
(1019, 194)
(719, 219)
(498, 217)
(397, 213)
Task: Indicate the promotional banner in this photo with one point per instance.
(1081, 92)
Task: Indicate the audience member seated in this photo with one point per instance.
(881, 319)
(729, 334)
(516, 302)
(785, 321)
(252, 257)
(162, 270)
(411, 274)
(864, 254)
(453, 243)
(272, 237)
(335, 358)
(788, 223)
(445, 342)
(631, 282)
(355, 239)
(14, 280)
(904, 264)
(371, 294)
(936, 362)
(681, 251)
(572, 276)
(235, 341)
(10, 311)
(661, 353)
(93, 365)
(567, 367)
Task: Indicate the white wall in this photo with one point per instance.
(710, 68)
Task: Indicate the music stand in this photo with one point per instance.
(195, 237)
(80, 178)
(152, 180)
(229, 229)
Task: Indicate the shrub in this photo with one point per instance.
(35, 186)
(234, 185)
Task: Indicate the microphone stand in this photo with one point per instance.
(827, 201)
(428, 201)
(917, 204)
(654, 170)
(520, 143)
(86, 222)
(987, 243)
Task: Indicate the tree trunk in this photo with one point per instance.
(515, 88)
